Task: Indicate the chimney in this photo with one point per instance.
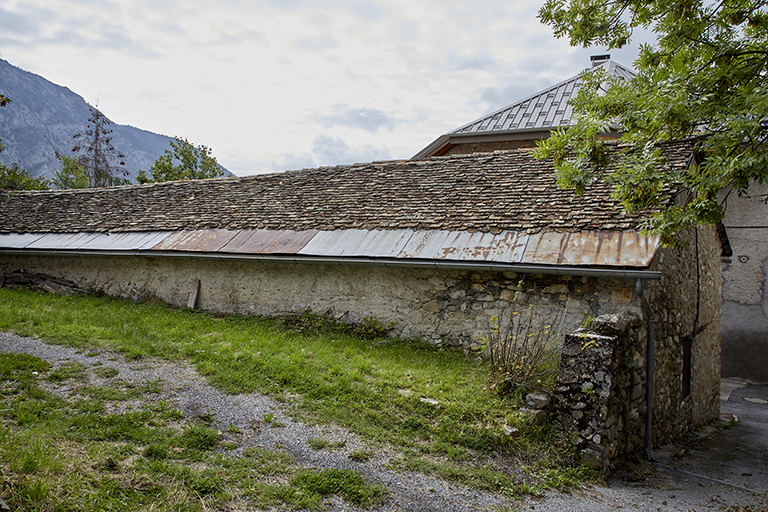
(599, 59)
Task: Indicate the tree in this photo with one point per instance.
(70, 175)
(703, 81)
(192, 163)
(4, 101)
(14, 178)
(102, 163)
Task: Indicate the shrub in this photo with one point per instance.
(523, 348)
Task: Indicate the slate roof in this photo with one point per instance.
(489, 193)
(546, 110)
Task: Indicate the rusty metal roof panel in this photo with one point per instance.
(599, 248)
(506, 247)
(266, 241)
(18, 240)
(204, 240)
(358, 242)
(129, 241)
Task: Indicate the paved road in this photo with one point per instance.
(726, 469)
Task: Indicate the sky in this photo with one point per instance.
(274, 85)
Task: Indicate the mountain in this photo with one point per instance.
(42, 118)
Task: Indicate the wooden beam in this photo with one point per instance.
(193, 294)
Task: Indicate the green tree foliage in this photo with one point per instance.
(104, 166)
(703, 80)
(183, 162)
(70, 174)
(14, 178)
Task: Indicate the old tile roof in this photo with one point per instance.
(492, 192)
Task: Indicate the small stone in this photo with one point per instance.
(557, 288)
(614, 324)
(533, 417)
(592, 459)
(511, 431)
(538, 400)
(431, 307)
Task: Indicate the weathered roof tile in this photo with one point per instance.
(507, 190)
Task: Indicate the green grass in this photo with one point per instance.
(370, 385)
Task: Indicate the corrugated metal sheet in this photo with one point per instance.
(204, 240)
(358, 242)
(263, 241)
(600, 248)
(506, 247)
(67, 241)
(125, 241)
(18, 241)
(590, 248)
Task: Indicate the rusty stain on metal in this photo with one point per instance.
(206, 240)
(587, 248)
(507, 246)
(265, 241)
(599, 248)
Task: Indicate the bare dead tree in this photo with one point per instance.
(103, 164)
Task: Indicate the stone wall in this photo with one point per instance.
(451, 308)
(687, 305)
(600, 397)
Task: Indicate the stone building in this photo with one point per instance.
(745, 299)
(434, 249)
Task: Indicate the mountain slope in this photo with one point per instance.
(43, 117)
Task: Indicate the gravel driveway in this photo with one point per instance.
(240, 418)
(181, 387)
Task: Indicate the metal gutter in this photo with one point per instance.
(384, 262)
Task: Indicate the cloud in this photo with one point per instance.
(465, 62)
(315, 44)
(369, 119)
(32, 27)
(327, 150)
(494, 98)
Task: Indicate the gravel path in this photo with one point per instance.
(240, 418)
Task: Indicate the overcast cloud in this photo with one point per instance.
(284, 84)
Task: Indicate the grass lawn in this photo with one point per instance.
(431, 406)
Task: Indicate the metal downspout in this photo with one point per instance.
(648, 374)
